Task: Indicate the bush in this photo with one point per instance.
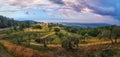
(66, 44)
(56, 29)
(39, 40)
(107, 53)
(37, 27)
(70, 42)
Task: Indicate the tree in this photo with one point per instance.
(10, 22)
(60, 35)
(71, 29)
(44, 42)
(112, 33)
(37, 27)
(107, 34)
(56, 30)
(116, 33)
(15, 28)
(66, 44)
(38, 40)
(50, 26)
(22, 26)
(94, 32)
(7, 22)
(70, 42)
(28, 26)
(84, 35)
(99, 36)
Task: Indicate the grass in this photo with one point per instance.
(21, 51)
(107, 53)
(3, 52)
(91, 48)
(39, 48)
(83, 51)
(103, 53)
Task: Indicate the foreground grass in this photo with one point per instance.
(98, 50)
(3, 52)
(21, 51)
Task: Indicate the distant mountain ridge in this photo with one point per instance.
(85, 25)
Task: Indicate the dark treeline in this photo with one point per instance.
(7, 22)
(10, 22)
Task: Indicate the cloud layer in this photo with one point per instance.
(68, 9)
(96, 6)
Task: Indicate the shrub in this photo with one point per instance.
(107, 53)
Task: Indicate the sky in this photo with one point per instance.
(79, 11)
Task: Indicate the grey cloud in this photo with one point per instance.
(102, 10)
(22, 3)
(97, 7)
(60, 2)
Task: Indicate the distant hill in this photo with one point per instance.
(85, 25)
(8, 22)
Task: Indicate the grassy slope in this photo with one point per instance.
(3, 52)
(94, 46)
(21, 51)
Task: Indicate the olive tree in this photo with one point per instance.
(70, 42)
(112, 33)
(56, 30)
(84, 35)
(116, 33)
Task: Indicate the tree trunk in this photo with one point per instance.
(115, 40)
(28, 42)
(45, 45)
(84, 38)
(112, 41)
(70, 45)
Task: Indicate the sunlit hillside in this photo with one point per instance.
(59, 28)
(28, 39)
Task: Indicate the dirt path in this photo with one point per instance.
(96, 42)
(43, 37)
(59, 45)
